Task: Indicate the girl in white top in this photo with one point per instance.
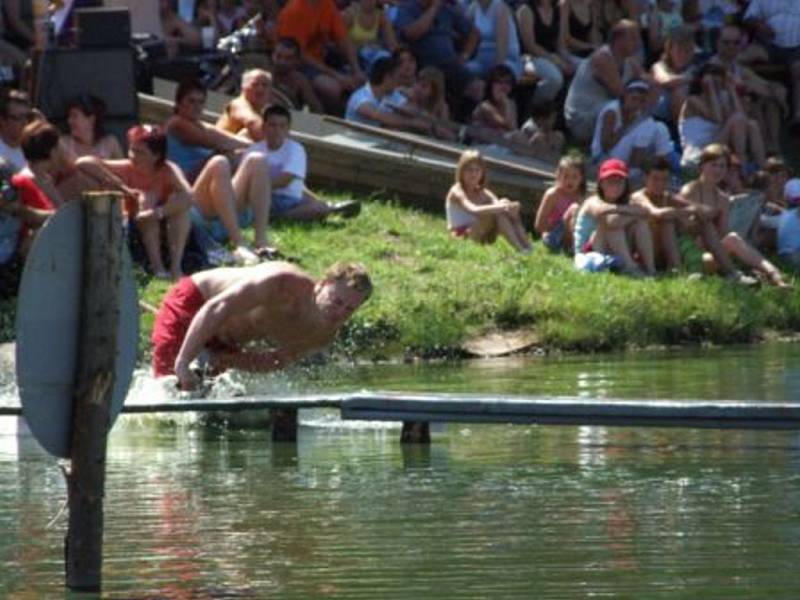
(474, 211)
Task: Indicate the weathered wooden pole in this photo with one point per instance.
(284, 424)
(415, 432)
(102, 258)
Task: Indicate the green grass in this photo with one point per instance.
(433, 292)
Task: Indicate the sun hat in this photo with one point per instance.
(791, 191)
(611, 168)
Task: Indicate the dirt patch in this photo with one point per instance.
(501, 343)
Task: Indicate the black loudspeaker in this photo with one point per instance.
(108, 73)
(103, 27)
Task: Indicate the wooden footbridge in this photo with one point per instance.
(417, 410)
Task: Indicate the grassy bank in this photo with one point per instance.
(432, 293)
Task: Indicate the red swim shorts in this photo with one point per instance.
(178, 308)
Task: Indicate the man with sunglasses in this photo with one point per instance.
(15, 113)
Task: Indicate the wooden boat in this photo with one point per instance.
(413, 170)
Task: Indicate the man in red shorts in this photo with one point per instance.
(222, 310)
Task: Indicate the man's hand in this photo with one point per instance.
(187, 379)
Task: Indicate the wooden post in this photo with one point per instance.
(102, 256)
(284, 424)
(415, 432)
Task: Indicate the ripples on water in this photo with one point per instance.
(484, 512)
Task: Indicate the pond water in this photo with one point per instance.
(484, 512)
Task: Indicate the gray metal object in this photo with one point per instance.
(48, 322)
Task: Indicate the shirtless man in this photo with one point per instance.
(243, 113)
(223, 309)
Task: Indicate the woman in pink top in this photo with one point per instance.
(155, 192)
(556, 213)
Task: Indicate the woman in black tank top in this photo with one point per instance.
(579, 33)
(539, 24)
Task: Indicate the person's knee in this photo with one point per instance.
(731, 241)
(218, 166)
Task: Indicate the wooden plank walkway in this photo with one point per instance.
(394, 406)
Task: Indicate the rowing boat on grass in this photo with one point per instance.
(413, 170)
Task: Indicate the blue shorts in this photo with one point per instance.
(283, 203)
(554, 239)
(214, 226)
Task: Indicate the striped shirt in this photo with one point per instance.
(783, 16)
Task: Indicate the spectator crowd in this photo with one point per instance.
(682, 110)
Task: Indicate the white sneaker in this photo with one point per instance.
(244, 256)
(220, 256)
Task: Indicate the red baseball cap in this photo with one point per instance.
(612, 167)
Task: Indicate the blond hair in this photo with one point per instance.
(435, 78)
(713, 152)
(467, 157)
(353, 275)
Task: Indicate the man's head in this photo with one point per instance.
(38, 141)
(634, 98)
(257, 87)
(286, 55)
(15, 113)
(382, 73)
(729, 42)
(624, 38)
(344, 288)
(277, 121)
(791, 193)
(656, 176)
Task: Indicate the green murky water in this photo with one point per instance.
(484, 512)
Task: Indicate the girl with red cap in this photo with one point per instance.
(604, 223)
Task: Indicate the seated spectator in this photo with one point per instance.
(580, 28)
(498, 111)
(787, 224)
(179, 34)
(287, 161)
(18, 224)
(242, 115)
(366, 105)
(673, 73)
(474, 212)
(711, 206)
(769, 98)
(546, 142)
(711, 114)
(370, 31)
(288, 78)
(776, 23)
(432, 28)
(156, 193)
(600, 79)
(499, 41)
(607, 221)
(425, 100)
(406, 66)
(36, 181)
(663, 19)
(539, 22)
(625, 130)
(15, 113)
(708, 17)
(555, 217)
(611, 12)
(226, 198)
(316, 24)
(664, 211)
(15, 29)
(87, 134)
(230, 16)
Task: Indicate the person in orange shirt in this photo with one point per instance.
(315, 24)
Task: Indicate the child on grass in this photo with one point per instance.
(555, 217)
(606, 221)
(474, 212)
